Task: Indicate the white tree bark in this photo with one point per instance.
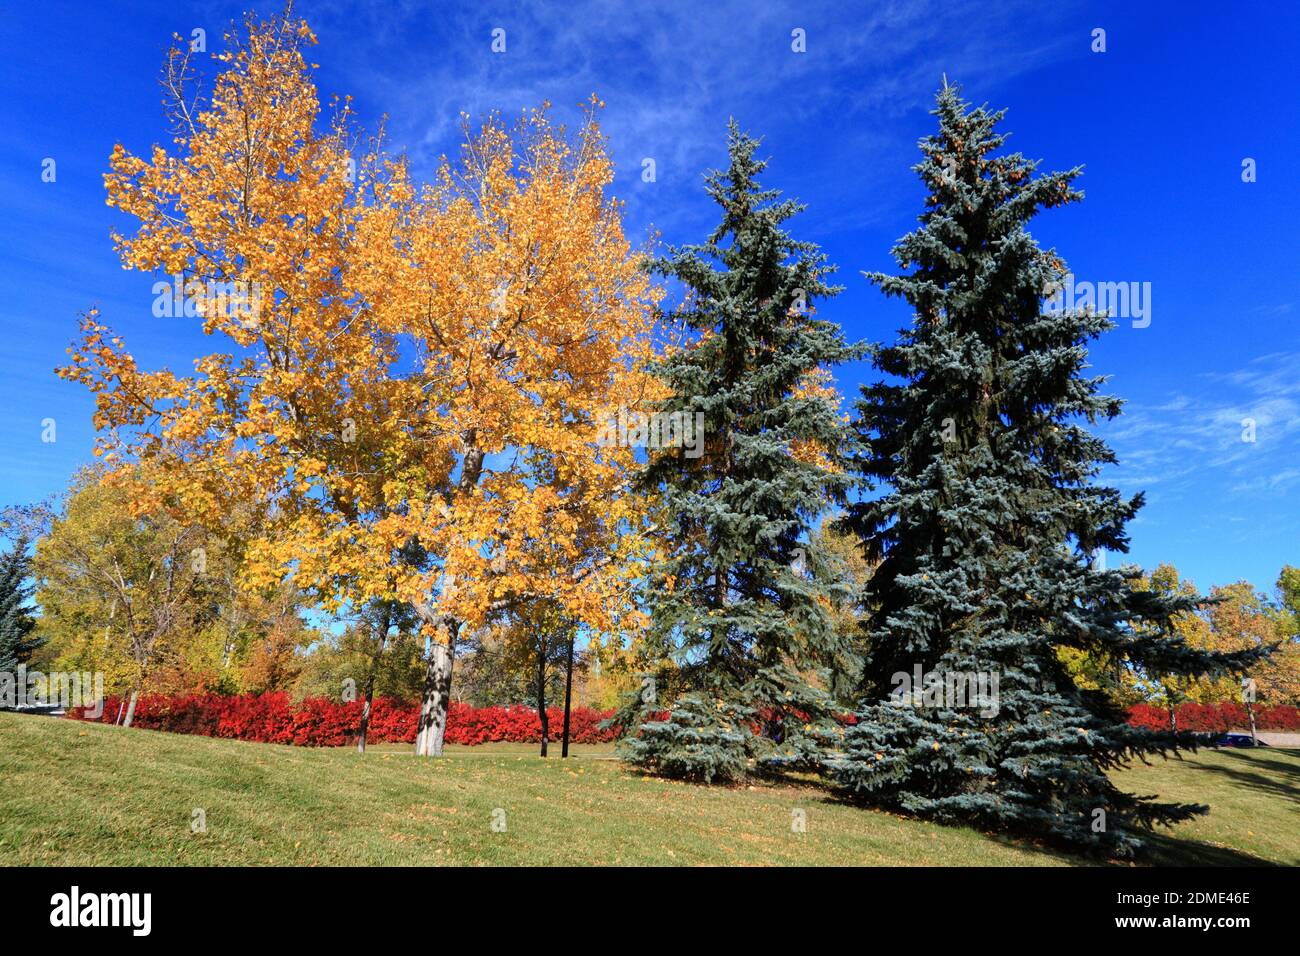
(432, 728)
(130, 710)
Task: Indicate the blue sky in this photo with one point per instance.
(1162, 121)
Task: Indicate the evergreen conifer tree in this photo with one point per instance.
(736, 605)
(16, 621)
(989, 525)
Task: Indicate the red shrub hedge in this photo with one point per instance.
(319, 722)
(1215, 718)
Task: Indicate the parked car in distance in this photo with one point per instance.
(1237, 740)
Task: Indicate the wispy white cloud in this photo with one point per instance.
(672, 74)
(1237, 436)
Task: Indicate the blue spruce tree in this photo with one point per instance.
(986, 533)
(739, 614)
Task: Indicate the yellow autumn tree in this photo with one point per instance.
(1242, 618)
(412, 379)
(1236, 618)
(1116, 675)
(123, 594)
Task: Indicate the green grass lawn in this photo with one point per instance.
(84, 794)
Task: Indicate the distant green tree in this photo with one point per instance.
(17, 640)
(378, 619)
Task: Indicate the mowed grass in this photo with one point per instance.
(1254, 800)
(85, 794)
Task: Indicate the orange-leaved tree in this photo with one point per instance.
(414, 378)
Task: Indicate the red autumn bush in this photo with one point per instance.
(1214, 718)
(319, 722)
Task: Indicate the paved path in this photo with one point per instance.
(1275, 738)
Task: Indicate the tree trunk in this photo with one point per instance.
(432, 728)
(365, 716)
(130, 709)
(541, 691)
(568, 695)
(1250, 709)
(370, 680)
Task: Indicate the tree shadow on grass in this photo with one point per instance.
(1166, 850)
(1163, 849)
(1245, 772)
